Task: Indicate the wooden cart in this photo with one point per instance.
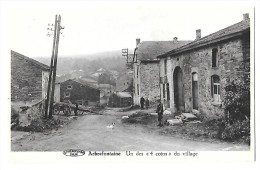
(69, 108)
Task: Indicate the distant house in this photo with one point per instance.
(120, 99)
(89, 80)
(78, 91)
(125, 83)
(195, 75)
(106, 91)
(146, 69)
(29, 79)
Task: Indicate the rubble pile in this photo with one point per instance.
(140, 117)
(181, 119)
(41, 125)
(30, 119)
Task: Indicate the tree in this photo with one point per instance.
(106, 78)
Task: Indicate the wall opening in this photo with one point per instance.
(214, 57)
(215, 88)
(195, 92)
(178, 89)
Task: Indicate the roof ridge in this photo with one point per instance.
(205, 39)
(219, 31)
(168, 41)
(77, 81)
(44, 66)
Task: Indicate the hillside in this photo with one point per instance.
(89, 63)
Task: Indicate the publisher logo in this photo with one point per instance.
(74, 152)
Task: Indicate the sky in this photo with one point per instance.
(96, 26)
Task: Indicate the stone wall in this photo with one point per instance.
(79, 93)
(26, 80)
(233, 64)
(149, 81)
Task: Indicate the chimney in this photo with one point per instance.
(138, 40)
(246, 17)
(198, 34)
(175, 39)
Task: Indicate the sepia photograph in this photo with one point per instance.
(129, 79)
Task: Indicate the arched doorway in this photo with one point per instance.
(178, 89)
(195, 94)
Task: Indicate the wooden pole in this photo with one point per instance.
(51, 71)
(55, 67)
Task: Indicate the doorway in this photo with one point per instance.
(195, 94)
(178, 89)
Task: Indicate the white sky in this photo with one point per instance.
(92, 27)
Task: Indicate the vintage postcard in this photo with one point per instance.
(129, 81)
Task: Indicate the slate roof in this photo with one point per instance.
(123, 95)
(229, 32)
(89, 80)
(23, 57)
(149, 50)
(83, 83)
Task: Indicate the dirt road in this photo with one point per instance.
(89, 132)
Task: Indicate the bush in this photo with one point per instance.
(237, 112)
(237, 101)
(239, 130)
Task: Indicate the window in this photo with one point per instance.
(215, 88)
(67, 94)
(69, 87)
(214, 57)
(23, 84)
(168, 92)
(137, 89)
(163, 90)
(165, 66)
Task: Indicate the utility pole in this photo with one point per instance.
(53, 67)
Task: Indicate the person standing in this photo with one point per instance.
(159, 111)
(142, 102)
(147, 103)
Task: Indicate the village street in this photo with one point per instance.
(89, 132)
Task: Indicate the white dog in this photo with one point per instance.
(111, 126)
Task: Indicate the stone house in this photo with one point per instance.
(146, 68)
(120, 99)
(77, 91)
(125, 83)
(194, 76)
(29, 79)
(105, 92)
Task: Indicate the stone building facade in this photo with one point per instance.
(146, 68)
(29, 79)
(77, 91)
(194, 76)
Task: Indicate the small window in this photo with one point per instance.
(163, 90)
(168, 92)
(215, 85)
(67, 94)
(137, 89)
(69, 87)
(165, 66)
(214, 57)
(23, 84)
